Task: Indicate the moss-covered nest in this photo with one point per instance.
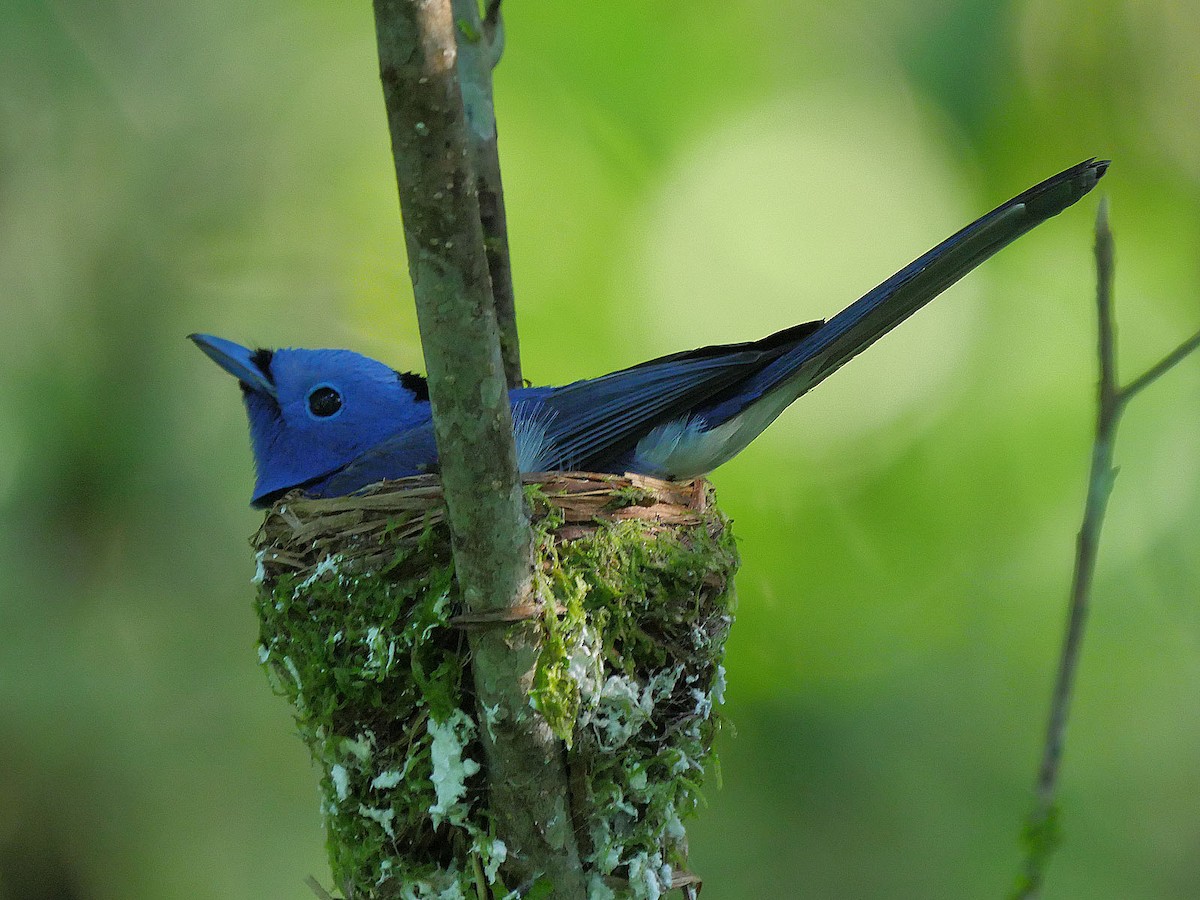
(362, 630)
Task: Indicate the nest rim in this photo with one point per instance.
(298, 530)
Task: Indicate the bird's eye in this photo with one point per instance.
(324, 401)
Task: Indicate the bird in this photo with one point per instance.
(330, 422)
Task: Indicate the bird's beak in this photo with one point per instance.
(238, 361)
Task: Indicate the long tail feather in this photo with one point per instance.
(880, 310)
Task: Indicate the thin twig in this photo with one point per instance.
(1160, 368)
(1042, 835)
(1041, 829)
(317, 889)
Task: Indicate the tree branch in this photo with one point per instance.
(473, 428)
(1041, 833)
(480, 44)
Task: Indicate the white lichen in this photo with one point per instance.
(445, 885)
(383, 816)
(619, 711)
(607, 850)
(340, 777)
(450, 769)
(385, 780)
(290, 665)
(492, 716)
(673, 824)
(637, 778)
(663, 684)
(385, 872)
(492, 854)
(598, 890)
(679, 762)
(327, 565)
(381, 652)
(645, 881)
(585, 665)
(260, 570)
(718, 688)
(704, 702)
(437, 616)
(361, 747)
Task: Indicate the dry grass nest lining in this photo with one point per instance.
(298, 531)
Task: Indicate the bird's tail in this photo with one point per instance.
(880, 310)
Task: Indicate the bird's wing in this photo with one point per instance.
(595, 419)
(409, 452)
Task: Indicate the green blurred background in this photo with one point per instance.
(676, 174)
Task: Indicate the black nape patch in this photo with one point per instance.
(262, 358)
(415, 383)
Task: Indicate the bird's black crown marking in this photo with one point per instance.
(262, 358)
(415, 383)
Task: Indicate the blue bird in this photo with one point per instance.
(332, 421)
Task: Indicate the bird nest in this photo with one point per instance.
(362, 630)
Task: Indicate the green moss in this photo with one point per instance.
(632, 495)
(646, 666)
(633, 634)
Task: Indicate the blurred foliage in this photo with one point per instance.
(676, 174)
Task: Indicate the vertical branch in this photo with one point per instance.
(1042, 833)
(480, 43)
(1041, 828)
(1100, 484)
(473, 427)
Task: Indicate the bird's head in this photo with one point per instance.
(313, 412)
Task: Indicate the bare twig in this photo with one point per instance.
(1160, 368)
(473, 427)
(1042, 828)
(315, 886)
